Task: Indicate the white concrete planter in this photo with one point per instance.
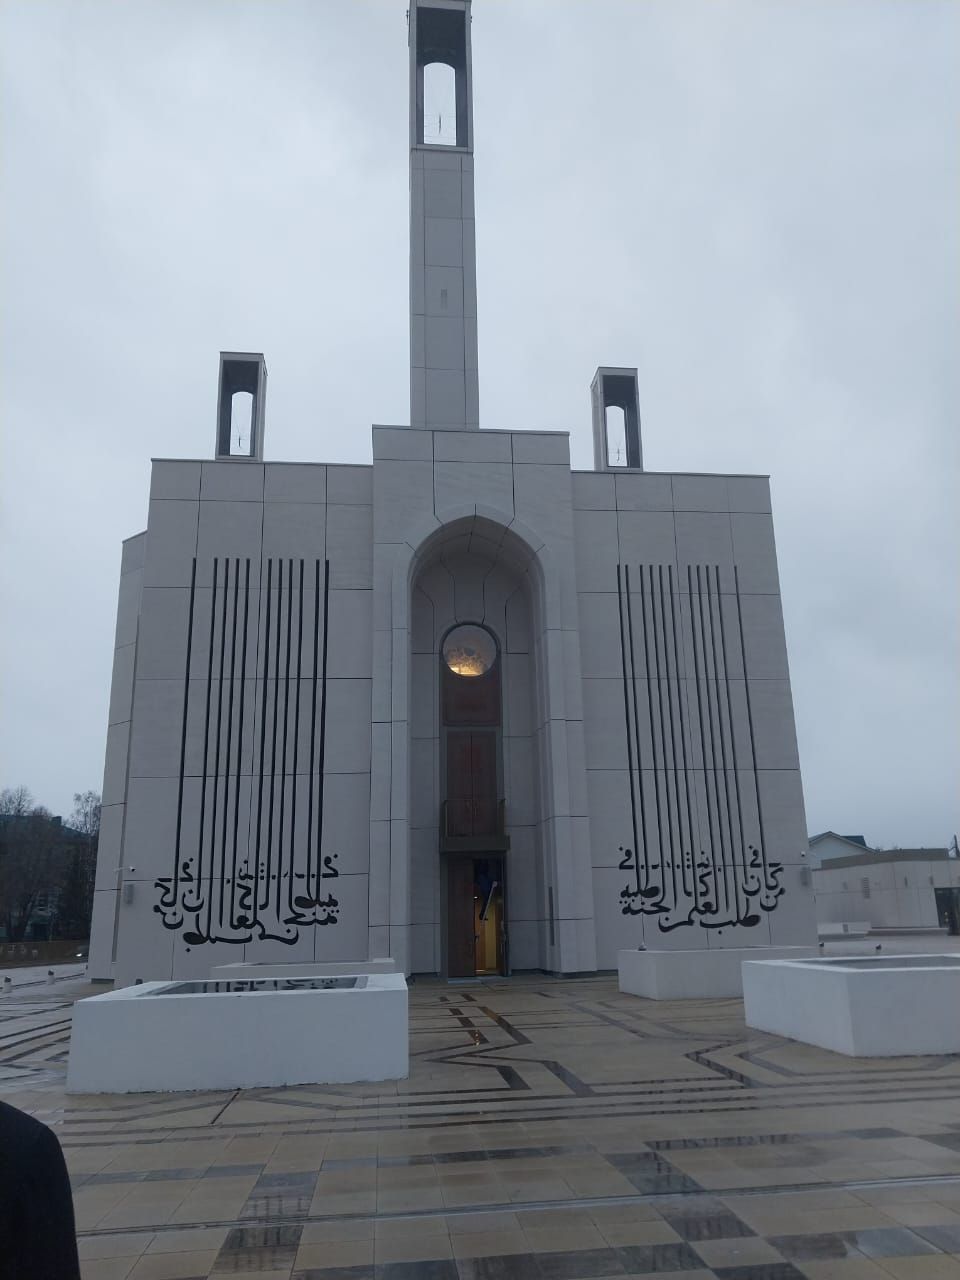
(170, 1036)
(693, 975)
(866, 1007)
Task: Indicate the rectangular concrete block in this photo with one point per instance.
(463, 483)
(132, 553)
(542, 501)
(445, 397)
(865, 1007)
(349, 546)
(593, 491)
(227, 530)
(401, 444)
(128, 609)
(637, 491)
(444, 342)
(749, 493)
(130, 1041)
(404, 494)
(110, 846)
(700, 493)
(171, 543)
(443, 291)
(349, 485)
(294, 482)
(121, 684)
(443, 242)
(350, 646)
(647, 537)
(695, 974)
(174, 479)
(294, 530)
(703, 538)
(544, 447)
(755, 553)
(442, 193)
(234, 480)
(115, 764)
(596, 550)
(472, 446)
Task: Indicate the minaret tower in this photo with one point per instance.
(443, 276)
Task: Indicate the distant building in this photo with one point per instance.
(884, 888)
(830, 845)
(49, 843)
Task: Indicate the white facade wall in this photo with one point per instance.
(446, 526)
(504, 497)
(737, 738)
(207, 754)
(109, 873)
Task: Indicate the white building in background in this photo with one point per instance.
(908, 889)
(463, 706)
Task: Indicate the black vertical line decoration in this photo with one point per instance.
(224, 878)
(236, 891)
(711, 824)
(748, 875)
(772, 871)
(713, 719)
(682, 712)
(722, 881)
(658, 865)
(631, 858)
(309, 889)
(286, 725)
(296, 753)
(716, 735)
(671, 770)
(206, 738)
(170, 885)
(746, 690)
(268, 888)
(216, 755)
(642, 870)
(742, 915)
(321, 860)
(257, 896)
(242, 869)
(666, 861)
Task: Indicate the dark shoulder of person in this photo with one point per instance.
(37, 1235)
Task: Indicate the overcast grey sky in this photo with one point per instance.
(758, 204)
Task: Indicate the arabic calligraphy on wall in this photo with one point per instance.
(696, 854)
(248, 866)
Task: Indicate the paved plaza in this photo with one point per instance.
(549, 1130)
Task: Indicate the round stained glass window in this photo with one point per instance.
(469, 650)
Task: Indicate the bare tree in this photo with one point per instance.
(75, 905)
(86, 815)
(30, 844)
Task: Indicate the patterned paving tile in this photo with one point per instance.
(549, 1130)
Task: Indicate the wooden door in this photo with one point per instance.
(461, 944)
(471, 783)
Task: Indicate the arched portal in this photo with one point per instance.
(478, 899)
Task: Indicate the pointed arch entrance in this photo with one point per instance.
(477, 885)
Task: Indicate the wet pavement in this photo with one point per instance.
(549, 1128)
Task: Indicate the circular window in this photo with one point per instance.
(469, 650)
